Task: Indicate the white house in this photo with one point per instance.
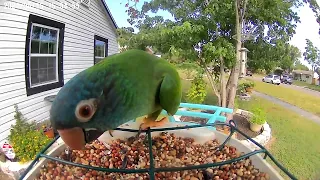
(43, 44)
(306, 76)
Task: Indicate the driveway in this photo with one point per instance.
(299, 88)
(291, 107)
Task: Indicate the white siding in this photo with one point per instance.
(80, 27)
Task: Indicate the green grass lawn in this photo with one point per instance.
(296, 143)
(300, 99)
(310, 86)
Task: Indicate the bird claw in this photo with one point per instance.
(125, 159)
(110, 132)
(139, 132)
(68, 153)
(151, 123)
(124, 162)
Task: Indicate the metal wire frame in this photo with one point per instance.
(152, 170)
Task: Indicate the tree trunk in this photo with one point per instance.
(236, 69)
(223, 91)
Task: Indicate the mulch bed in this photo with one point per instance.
(242, 124)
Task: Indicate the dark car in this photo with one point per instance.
(287, 79)
(248, 73)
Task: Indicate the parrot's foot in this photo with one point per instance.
(151, 123)
(147, 122)
(110, 132)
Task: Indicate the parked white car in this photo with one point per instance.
(273, 79)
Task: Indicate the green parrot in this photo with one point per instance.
(120, 88)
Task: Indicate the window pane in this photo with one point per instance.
(52, 48)
(43, 70)
(51, 74)
(102, 51)
(44, 47)
(35, 46)
(34, 77)
(42, 75)
(44, 35)
(100, 46)
(45, 40)
(53, 41)
(99, 51)
(43, 62)
(99, 43)
(53, 35)
(34, 63)
(51, 62)
(35, 32)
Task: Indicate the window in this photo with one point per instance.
(100, 48)
(43, 63)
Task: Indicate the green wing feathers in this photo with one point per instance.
(170, 92)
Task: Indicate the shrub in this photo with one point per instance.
(44, 125)
(241, 89)
(259, 116)
(197, 92)
(25, 139)
(248, 84)
(244, 85)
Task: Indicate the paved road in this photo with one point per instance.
(291, 107)
(299, 88)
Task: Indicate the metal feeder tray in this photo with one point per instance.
(33, 168)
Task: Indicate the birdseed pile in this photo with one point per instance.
(168, 151)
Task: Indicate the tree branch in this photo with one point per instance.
(203, 64)
(244, 9)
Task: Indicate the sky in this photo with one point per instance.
(307, 28)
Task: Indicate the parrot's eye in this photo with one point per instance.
(85, 110)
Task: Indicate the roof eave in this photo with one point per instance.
(109, 13)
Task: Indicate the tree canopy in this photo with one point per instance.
(299, 66)
(212, 32)
(265, 56)
(312, 54)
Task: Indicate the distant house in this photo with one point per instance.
(42, 46)
(305, 76)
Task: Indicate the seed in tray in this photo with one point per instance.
(168, 151)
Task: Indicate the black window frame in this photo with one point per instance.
(96, 37)
(51, 23)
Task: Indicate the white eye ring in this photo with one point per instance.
(85, 110)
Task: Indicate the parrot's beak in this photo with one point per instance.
(76, 138)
